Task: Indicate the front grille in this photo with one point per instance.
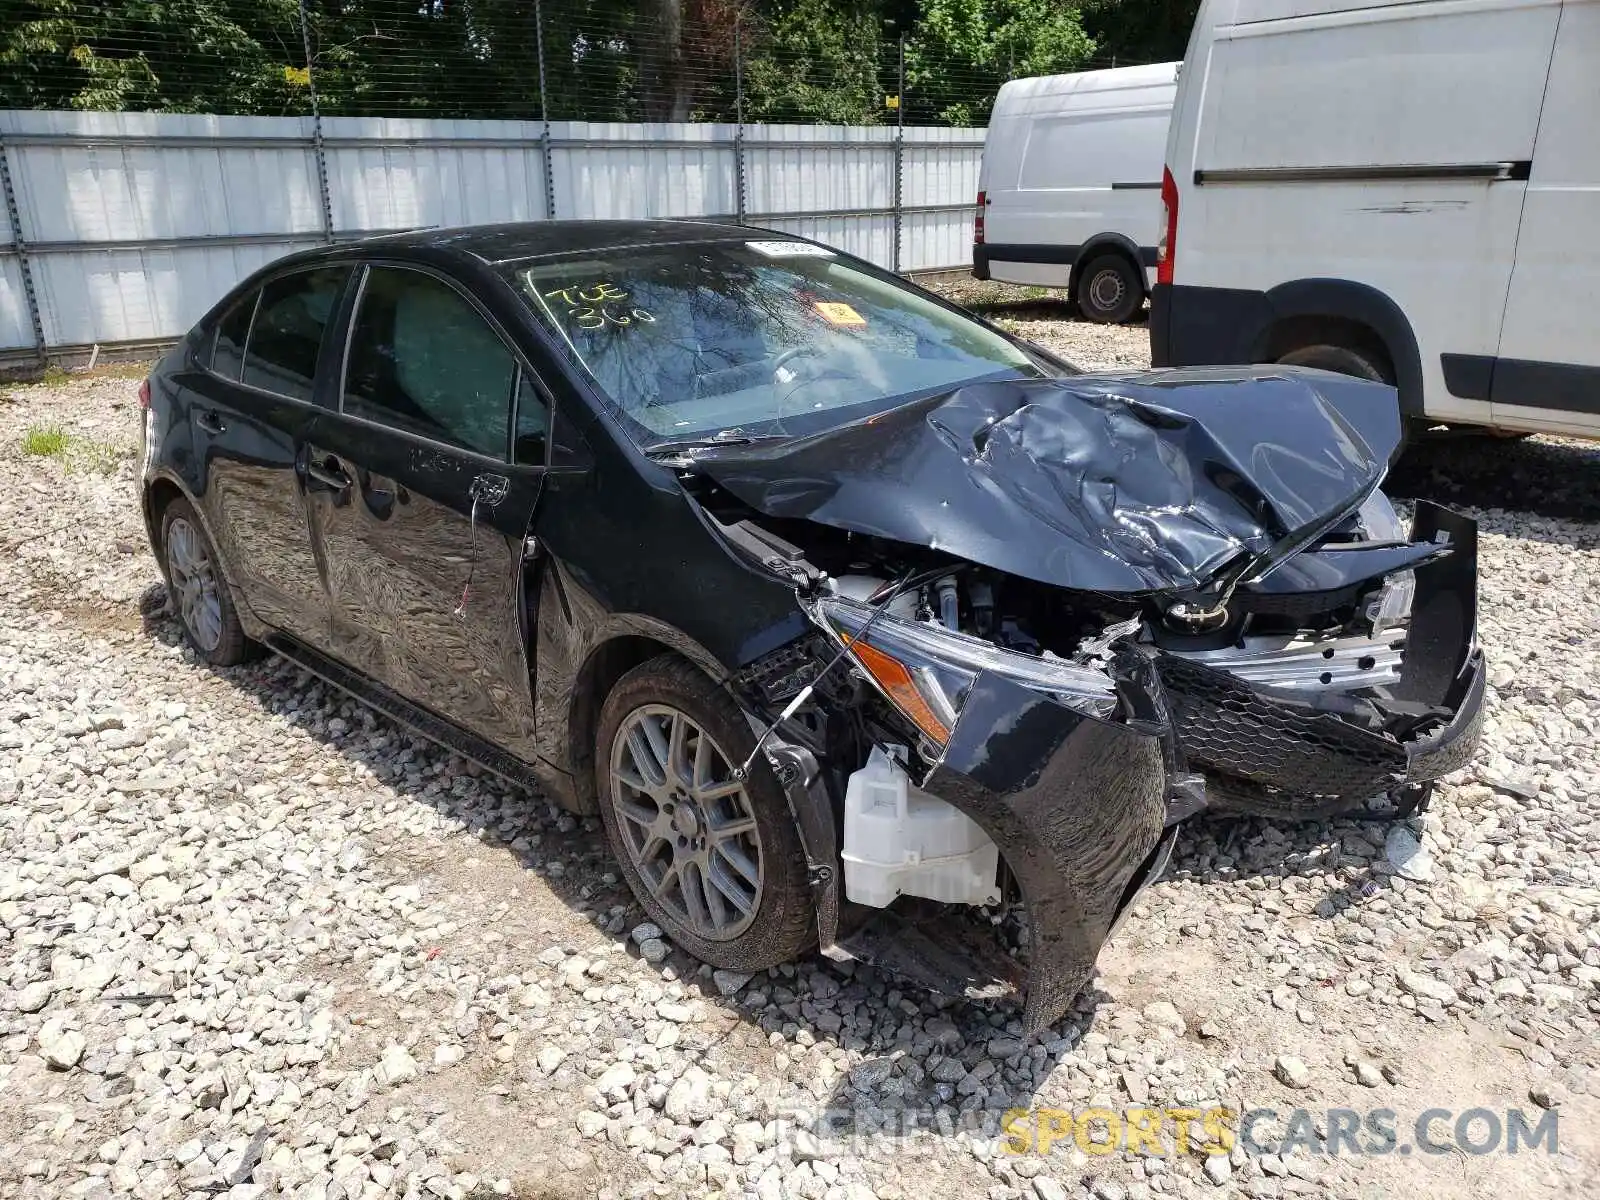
(1225, 727)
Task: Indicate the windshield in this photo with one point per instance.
(754, 338)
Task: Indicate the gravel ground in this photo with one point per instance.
(258, 941)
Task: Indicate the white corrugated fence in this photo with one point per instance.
(125, 227)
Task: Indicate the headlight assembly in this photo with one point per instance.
(927, 672)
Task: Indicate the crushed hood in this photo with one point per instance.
(1118, 483)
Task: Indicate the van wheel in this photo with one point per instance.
(717, 862)
(1339, 359)
(1109, 290)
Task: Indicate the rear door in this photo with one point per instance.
(422, 486)
(1381, 143)
(250, 413)
(1547, 374)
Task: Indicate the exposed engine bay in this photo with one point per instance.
(1344, 656)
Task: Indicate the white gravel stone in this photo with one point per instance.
(1218, 1169)
(1426, 986)
(397, 1065)
(1291, 1072)
(34, 996)
(689, 1099)
(239, 889)
(61, 1047)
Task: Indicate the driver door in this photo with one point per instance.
(422, 487)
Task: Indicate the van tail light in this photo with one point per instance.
(977, 221)
(144, 394)
(1167, 247)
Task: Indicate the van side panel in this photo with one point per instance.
(1383, 144)
(1548, 370)
(1069, 160)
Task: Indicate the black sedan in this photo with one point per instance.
(859, 622)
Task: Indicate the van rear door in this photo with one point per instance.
(1547, 373)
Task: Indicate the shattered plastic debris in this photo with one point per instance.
(1407, 855)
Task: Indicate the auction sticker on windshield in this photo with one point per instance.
(790, 249)
(837, 313)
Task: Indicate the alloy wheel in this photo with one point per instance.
(194, 584)
(685, 822)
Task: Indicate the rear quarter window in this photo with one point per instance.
(223, 350)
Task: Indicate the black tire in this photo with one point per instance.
(1109, 290)
(783, 925)
(226, 646)
(1340, 359)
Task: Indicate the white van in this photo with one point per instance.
(1070, 184)
(1404, 191)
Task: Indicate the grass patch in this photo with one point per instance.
(46, 441)
(77, 453)
(122, 370)
(102, 458)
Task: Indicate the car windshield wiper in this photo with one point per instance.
(728, 437)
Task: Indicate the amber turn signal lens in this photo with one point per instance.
(892, 676)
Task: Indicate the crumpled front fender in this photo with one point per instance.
(1077, 807)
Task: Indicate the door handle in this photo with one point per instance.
(211, 421)
(329, 474)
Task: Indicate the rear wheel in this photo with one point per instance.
(199, 589)
(1109, 290)
(715, 861)
(1341, 359)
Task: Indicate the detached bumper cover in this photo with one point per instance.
(1078, 808)
(1255, 738)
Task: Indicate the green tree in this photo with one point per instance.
(804, 60)
(815, 61)
(1141, 31)
(168, 55)
(961, 51)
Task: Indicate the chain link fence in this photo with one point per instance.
(153, 153)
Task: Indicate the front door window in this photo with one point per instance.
(424, 360)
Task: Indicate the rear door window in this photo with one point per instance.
(422, 359)
(286, 335)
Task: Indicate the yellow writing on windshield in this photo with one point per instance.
(596, 305)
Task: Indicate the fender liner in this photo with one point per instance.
(1360, 304)
(1194, 326)
(1141, 256)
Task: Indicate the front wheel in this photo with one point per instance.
(1341, 360)
(715, 861)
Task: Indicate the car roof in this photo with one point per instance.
(534, 239)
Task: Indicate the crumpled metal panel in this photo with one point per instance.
(1077, 807)
(1118, 483)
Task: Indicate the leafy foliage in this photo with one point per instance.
(830, 61)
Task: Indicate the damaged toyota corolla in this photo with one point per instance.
(862, 625)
